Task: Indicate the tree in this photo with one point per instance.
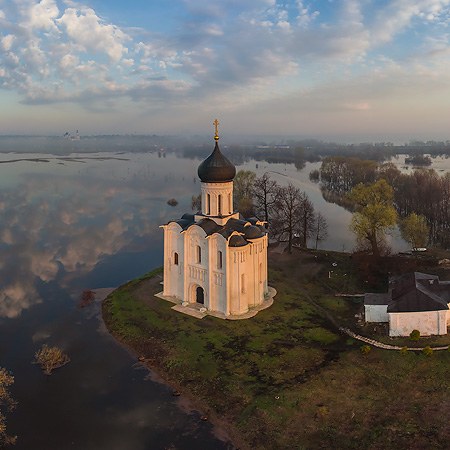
(196, 203)
(243, 188)
(288, 214)
(375, 213)
(320, 229)
(7, 404)
(264, 192)
(415, 230)
(307, 220)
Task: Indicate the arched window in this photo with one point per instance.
(229, 204)
(219, 259)
(199, 254)
(175, 258)
(208, 204)
(219, 205)
(260, 272)
(243, 283)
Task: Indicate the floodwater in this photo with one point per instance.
(90, 221)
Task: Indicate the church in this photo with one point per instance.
(216, 260)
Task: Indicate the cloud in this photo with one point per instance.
(85, 29)
(225, 52)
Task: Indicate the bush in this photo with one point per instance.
(365, 349)
(427, 351)
(414, 335)
(404, 350)
(50, 358)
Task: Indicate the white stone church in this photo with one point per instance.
(215, 260)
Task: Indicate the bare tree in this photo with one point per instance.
(320, 229)
(292, 214)
(243, 189)
(265, 191)
(307, 220)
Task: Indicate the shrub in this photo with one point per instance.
(404, 350)
(365, 349)
(427, 351)
(50, 358)
(414, 335)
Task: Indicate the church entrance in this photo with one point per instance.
(200, 295)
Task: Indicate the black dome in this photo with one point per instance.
(252, 232)
(237, 241)
(216, 168)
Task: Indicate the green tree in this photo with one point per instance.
(7, 403)
(375, 214)
(415, 230)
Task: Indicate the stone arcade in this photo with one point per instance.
(215, 261)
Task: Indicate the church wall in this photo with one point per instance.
(427, 322)
(173, 273)
(196, 264)
(217, 273)
(238, 285)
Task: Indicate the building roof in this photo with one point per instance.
(417, 292)
(216, 168)
(377, 299)
(246, 231)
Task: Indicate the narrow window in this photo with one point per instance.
(229, 204)
(208, 205)
(199, 254)
(219, 205)
(219, 259)
(243, 283)
(175, 258)
(260, 272)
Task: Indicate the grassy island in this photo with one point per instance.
(288, 378)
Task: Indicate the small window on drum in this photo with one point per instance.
(175, 258)
(219, 260)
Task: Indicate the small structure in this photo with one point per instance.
(415, 301)
(216, 260)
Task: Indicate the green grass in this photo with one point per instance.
(286, 378)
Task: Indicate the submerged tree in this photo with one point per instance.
(7, 404)
(50, 358)
(196, 202)
(320, 229)
(415, 230)
(375, 213)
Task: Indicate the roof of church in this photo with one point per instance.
(417, 292)
(216, 168)
(244, 227)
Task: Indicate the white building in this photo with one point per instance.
(415, 301)
(216, 258)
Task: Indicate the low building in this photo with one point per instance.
(415, 301)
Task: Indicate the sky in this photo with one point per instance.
(348, 70)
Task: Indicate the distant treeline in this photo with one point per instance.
(423, 192)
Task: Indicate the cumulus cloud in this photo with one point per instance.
(226, 50)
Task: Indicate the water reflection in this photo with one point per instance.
(59, 222)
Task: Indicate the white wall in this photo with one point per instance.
(376, 313)
(427, 322)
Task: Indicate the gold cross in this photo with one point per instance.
(216, 124)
